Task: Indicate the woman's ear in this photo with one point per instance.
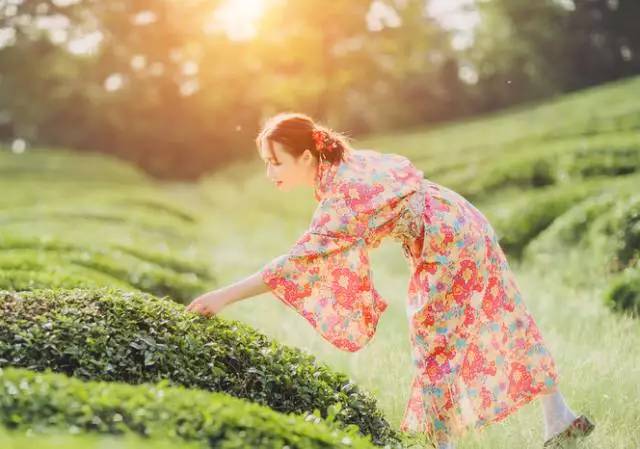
(307, 156)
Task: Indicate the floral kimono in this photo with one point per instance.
(477, 352)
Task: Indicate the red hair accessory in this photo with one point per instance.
(323, 142)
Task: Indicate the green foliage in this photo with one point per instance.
(77, 220)
(73, 438)
(357, 54)
(53, 277)
(623, 225)
(58, 165)
(161, 117)
(626, 223)
(579, 225)
(524, 50)
(606, 161)
(36, 400)
(604, 226)
(56, 263)
(564, 162)
(531, 216)
(623, 294)
(107, 334)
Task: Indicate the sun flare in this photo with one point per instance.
(238, 18)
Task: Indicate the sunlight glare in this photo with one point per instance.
(238, 18)
(460, 16)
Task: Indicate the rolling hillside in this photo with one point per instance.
(559, 180)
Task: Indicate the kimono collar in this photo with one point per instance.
(324, 174)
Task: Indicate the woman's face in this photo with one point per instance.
(284, 169)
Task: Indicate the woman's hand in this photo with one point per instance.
(212, 302)
(209, 303)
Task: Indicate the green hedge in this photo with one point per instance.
(62, 164)
(607, 227)
(36, 400)
(626, 225)
(623, 294)
(563, 163)
(535, 213)
(581, 226)
(54, 263)
(623, 224)
(109, 334)
(53, 277)
(610, 161)
(74, 439)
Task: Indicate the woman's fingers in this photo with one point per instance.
(193, 307)
(194, 304)
(200, 307)
(209, 310)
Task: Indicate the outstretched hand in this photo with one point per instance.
(208, 304)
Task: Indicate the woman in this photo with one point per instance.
(477, 353)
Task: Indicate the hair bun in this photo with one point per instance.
(298, 132)
(323, 141)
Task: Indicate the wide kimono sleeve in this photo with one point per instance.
(326, 277)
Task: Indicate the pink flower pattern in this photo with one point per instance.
(478, 354)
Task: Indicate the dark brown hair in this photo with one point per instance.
(294, 130)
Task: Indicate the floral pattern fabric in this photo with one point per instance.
(477, 352)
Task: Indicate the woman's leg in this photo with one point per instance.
(447, 444)
(557, 414)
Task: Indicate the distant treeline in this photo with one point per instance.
(166, 88)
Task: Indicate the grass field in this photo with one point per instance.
(559, 180)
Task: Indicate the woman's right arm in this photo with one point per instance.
(212, 302)
(245, 288)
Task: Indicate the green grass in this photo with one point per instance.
(558, 180)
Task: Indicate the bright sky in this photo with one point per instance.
(461, 16)
(238, 18)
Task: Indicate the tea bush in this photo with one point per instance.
(84, 220)
(39, 263)
(626, 223)
(54, 277)
(108, 334)
(561, 163)
(574, 226)
(607, 226)
(623, 294)
(37, 400)
(73, 438)
(535, 212)
(605, 162)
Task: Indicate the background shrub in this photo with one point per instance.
(623, 294)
